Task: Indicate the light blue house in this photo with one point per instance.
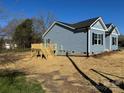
(112, 37)
(88, 37)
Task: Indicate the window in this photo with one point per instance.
(48, 41)
(72, 51)
(114, 40)
(97, 39)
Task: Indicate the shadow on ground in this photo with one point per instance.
(100, 87)
(104, 54)
(119, 84)
(9, 58)
(111, 75)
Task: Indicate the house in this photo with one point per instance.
(7, 41)
(88, 37)
(8, 44)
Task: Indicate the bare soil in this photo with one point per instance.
(61, 74)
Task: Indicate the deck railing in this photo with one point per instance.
(46, 49)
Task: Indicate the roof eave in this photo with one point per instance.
(54, 23)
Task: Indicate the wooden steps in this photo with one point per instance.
(47, 51)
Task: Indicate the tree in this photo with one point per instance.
(41, 23)
(10, 28)
(24, 34)
(121, 41)
(1, 43)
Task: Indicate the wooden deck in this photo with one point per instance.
(41, 48)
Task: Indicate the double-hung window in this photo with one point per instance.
(114, 40)
(97, 39)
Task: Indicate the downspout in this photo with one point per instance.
(87, 41)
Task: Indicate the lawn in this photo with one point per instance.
(15, 82)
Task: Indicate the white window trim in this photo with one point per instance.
(98, 29)
(97, 39)
(114, 34)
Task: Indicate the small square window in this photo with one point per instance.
(72, 51)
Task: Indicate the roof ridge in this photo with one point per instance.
(87, 19)
(81, 24)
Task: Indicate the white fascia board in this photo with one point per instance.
(117, 30)
(53, 25)
(94, 22)
(101, 22)
(49, 29)
(65, 25)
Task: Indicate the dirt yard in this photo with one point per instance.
(97, 74)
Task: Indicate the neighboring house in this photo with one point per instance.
(8, 43)
(83, 38)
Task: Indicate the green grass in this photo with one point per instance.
(10, 84)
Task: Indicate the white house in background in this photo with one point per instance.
(8, 44)
(88, 37)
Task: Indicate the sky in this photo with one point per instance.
(70, 11)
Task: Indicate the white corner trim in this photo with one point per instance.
(110, 42)
(104, 43)
(53, 25)
(89, 45)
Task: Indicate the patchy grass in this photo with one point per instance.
(15, 82)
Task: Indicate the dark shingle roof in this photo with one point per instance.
(108, 25)
(65, 23)
(70, 29)
(82, 24)
(85, 23)
(110, 31)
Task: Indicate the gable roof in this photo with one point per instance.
(108, 25)
(82, 24)
(109, 32)
(76, 27)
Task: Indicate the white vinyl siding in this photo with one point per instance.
(98, 25)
